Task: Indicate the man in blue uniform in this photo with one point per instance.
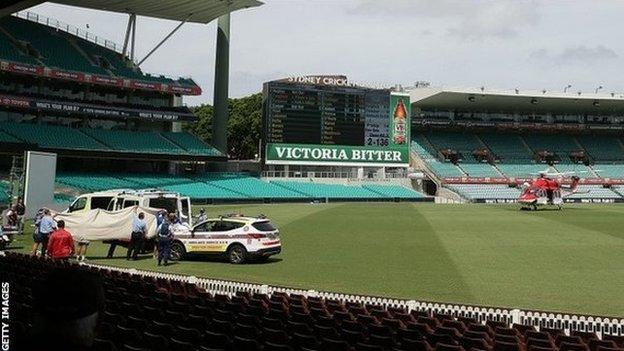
(165, 237)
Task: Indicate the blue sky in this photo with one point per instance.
(502, 44)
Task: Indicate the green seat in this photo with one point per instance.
(94, 182)
(202, 190)
(393, 191)
(479, 170)
(191, 143)
(602, 148)
(134, 141)
(53, 46)
(510, 148)
(249, 186)
(332, 191)
(49, 136)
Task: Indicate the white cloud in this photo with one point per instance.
(464, 19)
(580, 54)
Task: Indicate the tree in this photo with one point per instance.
(244, 125)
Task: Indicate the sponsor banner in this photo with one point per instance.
(28, 69)
(14, 101)
(336, 155)
(144, 85)
(333, 80)
(190, 90)
(95, 110)
(565, 200)
(400, 111)
(518, 180)
(107, 80)
(67, 75)
(103, 80)
(474, 180)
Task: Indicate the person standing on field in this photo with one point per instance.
(165, 236)
(139, 231)
(61, 243)
(46, 227)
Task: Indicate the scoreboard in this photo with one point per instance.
(304, 114)
(325, 111)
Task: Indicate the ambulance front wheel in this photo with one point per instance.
(177, 251)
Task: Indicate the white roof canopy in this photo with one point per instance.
(197, 11)
(200, 11)
(522, 102)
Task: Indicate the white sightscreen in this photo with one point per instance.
(39, 182)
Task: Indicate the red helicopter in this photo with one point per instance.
(545, 190)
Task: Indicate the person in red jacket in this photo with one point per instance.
(61, 243)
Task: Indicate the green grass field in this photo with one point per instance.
(570, 260)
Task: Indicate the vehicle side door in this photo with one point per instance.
(185, 210)
(229, 228)
(204, 239)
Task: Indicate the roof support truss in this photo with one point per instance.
(164, 39)
(129, 28)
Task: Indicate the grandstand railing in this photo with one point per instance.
(565, 321)
(340, 175)
(68, 28)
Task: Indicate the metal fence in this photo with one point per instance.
(565, 321)
(54, 23)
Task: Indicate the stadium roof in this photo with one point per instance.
(539, 102)
(198, 11)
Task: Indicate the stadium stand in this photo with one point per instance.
(49, 136)
(421, 146)
(4, 192)
(561, 145)
(93, 182)
(154, 180)
(609, 170)
(479, 170)
(201, 190)
(249, 186)
(54, 48)
(58, 49)
(190, 143)
(6, 138)
(596, 191)
(445, 169)
(521, 170)
(146, 313)
(125, 140)
(602, 148)
(514, 157)
(509, 148)
(61, 137)
(485, 191)
(465, 144)
(332, 191)
(233, 186)
(9, 52)
(393, 191)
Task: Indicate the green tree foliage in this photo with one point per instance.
(244, 125)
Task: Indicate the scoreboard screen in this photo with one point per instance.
(324, 120)
(327, 115)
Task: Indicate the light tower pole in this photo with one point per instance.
(222, 74)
